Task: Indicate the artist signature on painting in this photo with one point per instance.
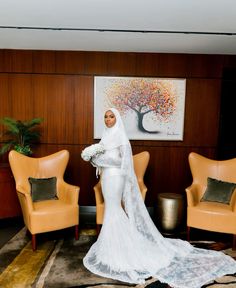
(172, 134)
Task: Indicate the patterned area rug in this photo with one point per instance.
(58, 263)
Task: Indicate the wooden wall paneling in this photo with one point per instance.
(65, 99)
(84, 135)
(54, 101)
(5, 100)
(173, 65)
(45, 149)
(157, 177)
(44, 62)
(121, 64)
(155, 143)
(20, 92)
(5, 105)
(205, 66)
(19, 61)
(158, 170)
(83, 105)
(202, 108)
(10, 206)
(40, 92)
(2, 61)
(179, 172)
(96, 63)
(70, 62)
(147, 64)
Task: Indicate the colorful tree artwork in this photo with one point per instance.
(156, 105)
(143, 96)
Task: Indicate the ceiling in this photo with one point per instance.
(173, 26)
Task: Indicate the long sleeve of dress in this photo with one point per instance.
(112, 158)
(118, 157)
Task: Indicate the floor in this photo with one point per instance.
(8, 228)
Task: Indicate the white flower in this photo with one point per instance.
(91, 151)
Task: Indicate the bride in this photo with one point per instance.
(129, 247)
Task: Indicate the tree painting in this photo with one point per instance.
(151, 108)
(143, 96)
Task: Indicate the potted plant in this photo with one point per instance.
(20, 135)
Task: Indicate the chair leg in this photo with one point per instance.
(76, 232)
(33, 240)
(98, 229)
(188, 233)
(234, 243)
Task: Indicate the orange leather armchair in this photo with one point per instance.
(141, 161)
(212, 216)
(47, 215)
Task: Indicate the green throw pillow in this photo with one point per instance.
(43, 188)
(218, 191)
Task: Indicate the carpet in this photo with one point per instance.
(57, 263)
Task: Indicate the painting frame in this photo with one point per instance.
(151, 108)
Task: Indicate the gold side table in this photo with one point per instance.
(170, 212)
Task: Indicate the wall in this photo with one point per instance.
(58, 86)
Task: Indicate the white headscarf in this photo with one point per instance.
(114, 136)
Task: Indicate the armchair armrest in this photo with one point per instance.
(25, 198)
(98, 193)
(233, 202)
(68, 193)
(192, 195)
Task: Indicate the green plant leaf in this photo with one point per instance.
(11, 124)
(5, 148)
(20, 135)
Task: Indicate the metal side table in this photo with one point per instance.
(170, 212)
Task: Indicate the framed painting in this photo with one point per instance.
(151, 108)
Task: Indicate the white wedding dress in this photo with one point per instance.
(123, 252)
(129, 247)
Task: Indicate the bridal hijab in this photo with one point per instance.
(116, 135)
(171, 261)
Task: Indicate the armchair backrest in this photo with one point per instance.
(141, 161)
(202, 167)
(24, 167)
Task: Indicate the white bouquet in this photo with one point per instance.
(91, 151)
